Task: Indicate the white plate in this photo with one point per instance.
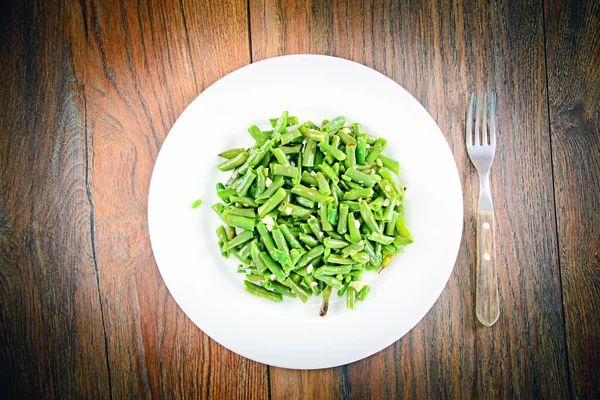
(207, 287)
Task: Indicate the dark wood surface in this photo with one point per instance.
(89, 91)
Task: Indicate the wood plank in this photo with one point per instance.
(573, 51)
(143, 64)
(439, 53)
(52, 341)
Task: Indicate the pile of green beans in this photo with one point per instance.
(308, 209)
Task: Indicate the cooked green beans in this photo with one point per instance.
(308, 209)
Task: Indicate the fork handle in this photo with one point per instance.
(487, 305)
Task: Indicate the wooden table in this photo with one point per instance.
(89, 90)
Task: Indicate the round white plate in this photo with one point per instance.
(207, 287)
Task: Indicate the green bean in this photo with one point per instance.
(350, 155)
(353, 228)
(231, 233)
(272, 202)
(229, 154)
(300, 292)
(325, 302)
(387, 162)
(255, 255)
(291, 120)
(281, 180)
(376, 150)
(279, 240)
(361, 150)
(304, 202)
(281, 123)
(291, 149)
(225, 194)
(360, 257)
(335, 124)
(335, 143)
(342, 225)
(272, 265)
(239, 239)
(362, 295)
(380, 238)
(367, 215)
(357, 128)
(312, 284)
(376, 204)
(330, 280)
(345, 285)
(244, 212)
(261, 185)
(334, 243)
(256, 155)
(245, 250)
(290, 136)
(352, 205)
(285, 170)
(335, 235)
(328, 171)
(318, 157)
(353, 248)
(313, 134)
(308, 154)
(387, 175)
(305, 228)
(283, 290)
(266, 239)
(280, 156)
(243, 200)
(402, 228)
(402, 241)
(289, 237)
(296, 254)
(336, 153)
(315, 228)
(337, 259)
(283, 258)
(262, 292)
(221, 234)
(310, 256)
(259, 136)
(346, 137)
(332, 214)
(309, 240)
(351, 298)
(356, 194)
(333, 270)
(390, 227)
(223, 253)
(311, 194)
(324, 218)
(360, 178)
(352, 185)
(294, 211)
(322, 183)
(254, 277)
(239, 221)
(309, 178)
(233, 162)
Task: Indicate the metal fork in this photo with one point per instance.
(481, 146)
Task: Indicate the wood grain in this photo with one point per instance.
(52, 340)
(143, 64)
(573, 48)
(90, 90)
(439, 53)
(487, 307)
